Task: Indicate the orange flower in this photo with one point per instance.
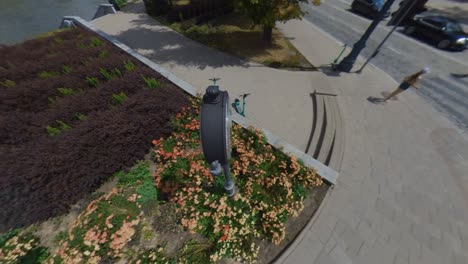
(223, 238)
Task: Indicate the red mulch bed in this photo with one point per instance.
(42, 175)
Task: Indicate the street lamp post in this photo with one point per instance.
(215, 133)
(347, 63)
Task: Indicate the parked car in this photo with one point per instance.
(369, 8)
(444, 32)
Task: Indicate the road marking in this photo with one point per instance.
(394, 50)
(386, 29)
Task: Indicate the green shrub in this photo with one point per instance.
(104, 54)
(53, 131)
(117, 72)
(109, 75)
(82, 46)
(138, 174)
(67, 69)
(119, 98)
(48, 74)
(52, 99)
(148, 193)
(92, 81)
(80, 116)
(8, 83)
(96, 42)
(129, 66)
(66, 91)
(151, 83)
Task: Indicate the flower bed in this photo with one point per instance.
(74, 109)
(170, 209)
(272, 188)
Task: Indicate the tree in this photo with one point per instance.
(267, 12)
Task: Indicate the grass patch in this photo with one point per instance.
(95, 42)
(67, 69)
(111, 74)
(63, 91)
(118, 99)
(129, 66)
(104, 54)
(92, 81)
(8, 83)
(80, 116)
(62, 126)
(237, 35)
(151, 83)
(48, 74)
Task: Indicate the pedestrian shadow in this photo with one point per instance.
(328, 70)
(375, 100)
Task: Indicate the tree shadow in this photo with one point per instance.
(163, 45)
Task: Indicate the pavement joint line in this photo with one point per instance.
(386, 29)
(324, 171)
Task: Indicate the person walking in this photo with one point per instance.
(409, 81)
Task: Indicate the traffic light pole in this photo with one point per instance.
(377, 50)
(347, 63)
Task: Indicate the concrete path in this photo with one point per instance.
(402, 196)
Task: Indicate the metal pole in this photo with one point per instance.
(229, 184)
(216, 170)
(347, 63)
(377, 50)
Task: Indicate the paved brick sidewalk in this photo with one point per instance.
(402, 194)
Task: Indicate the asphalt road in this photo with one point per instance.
(400, 56)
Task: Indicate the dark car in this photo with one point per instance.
(444, 32)
(369, 8)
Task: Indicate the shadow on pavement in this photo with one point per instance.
(455, 12)
(328, 70)
(163, 45)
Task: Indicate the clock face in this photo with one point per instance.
(228, 127)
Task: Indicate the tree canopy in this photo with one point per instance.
(268, 12)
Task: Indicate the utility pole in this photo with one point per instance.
(347, 63)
